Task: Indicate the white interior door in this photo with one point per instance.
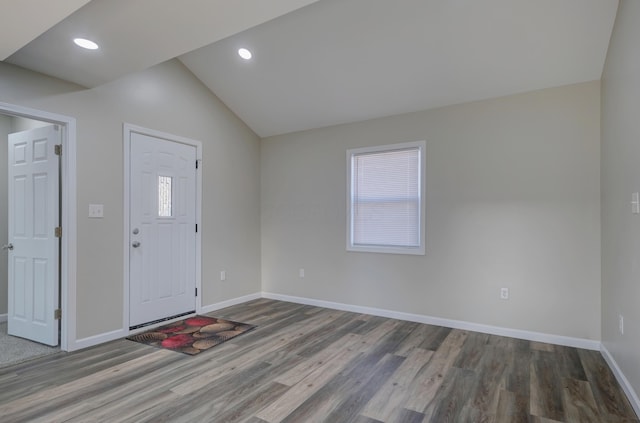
(32, 245)
(162, 240)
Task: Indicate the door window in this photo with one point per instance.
(164, 196)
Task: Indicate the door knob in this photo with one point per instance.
(8, 247)
(135, 244)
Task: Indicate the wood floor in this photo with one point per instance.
(308, 364)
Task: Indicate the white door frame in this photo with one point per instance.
(128, 129)
(68, 218)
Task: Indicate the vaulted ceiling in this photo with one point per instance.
(320, 62)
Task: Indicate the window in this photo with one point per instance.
(164, 196)
(385, 198)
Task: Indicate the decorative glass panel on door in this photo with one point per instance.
(164, 196)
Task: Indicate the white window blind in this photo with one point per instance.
(386, 199)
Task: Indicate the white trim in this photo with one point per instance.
(234, 301)
(3, 318)
(622, 380)
(100, 339)
(69, 219)
(438, 321)
(127, 129)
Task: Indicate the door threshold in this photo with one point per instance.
(166, 319)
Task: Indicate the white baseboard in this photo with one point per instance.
(122, 333)
(234, 301)
(622, 380)
(437, 321)
(3, 318)
(455, 324)
(97, 339)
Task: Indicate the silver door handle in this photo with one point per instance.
(8, 247)
(135, 244)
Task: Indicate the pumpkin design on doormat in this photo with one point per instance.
(193, 335)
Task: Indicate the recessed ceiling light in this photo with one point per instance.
(84, 43)
(245, 54)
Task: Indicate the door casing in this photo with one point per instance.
(128, 129)
(68, 248)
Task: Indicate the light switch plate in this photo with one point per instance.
(96, 211)
(504, 293)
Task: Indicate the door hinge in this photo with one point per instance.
(58, 232)
(196, 227)
(57, 314)
(196, 292)
(58, 149)
(197, 163)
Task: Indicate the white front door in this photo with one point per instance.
(162, 239)
(32, 245)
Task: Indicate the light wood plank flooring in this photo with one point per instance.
(309, 364)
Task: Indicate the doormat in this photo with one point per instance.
(193, 335)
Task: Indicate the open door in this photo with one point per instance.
(33, 244)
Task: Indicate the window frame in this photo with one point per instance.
(409, 250)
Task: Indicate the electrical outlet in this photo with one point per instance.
(504, 293)
(301, 273)
(621, 324)
(223, 275)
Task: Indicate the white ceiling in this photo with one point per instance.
(136, 34)
(19, 25)
(325, 62)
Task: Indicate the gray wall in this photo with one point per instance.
(513, 200)
(167, 98)
(5, 129)
(620, 178)
(19, 124)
